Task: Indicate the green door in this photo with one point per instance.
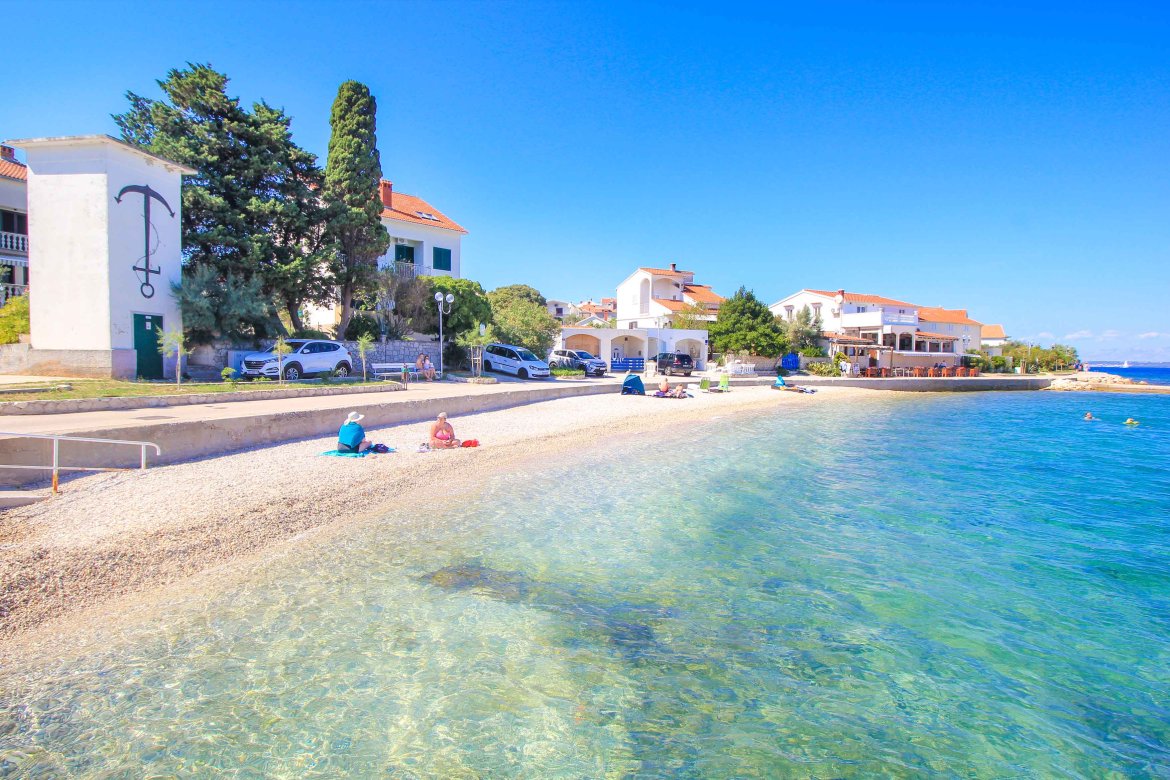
(146, 330)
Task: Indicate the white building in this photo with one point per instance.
(423, 240)
(951, 322)
(627, 349)
(652, 297)
(562, 310)
(105, 249)
(872, 331)
(993, 338)
(13, 225)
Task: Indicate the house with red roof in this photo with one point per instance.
(423, 240)
(13, 224)
(872, 331)
(653, 297)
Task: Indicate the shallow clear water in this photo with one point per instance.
(971, 586)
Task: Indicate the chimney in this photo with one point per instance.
(386, 191)
(674, 266)
(7, 153)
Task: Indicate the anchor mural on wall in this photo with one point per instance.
(146, 269)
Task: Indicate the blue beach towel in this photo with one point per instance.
(337, 454)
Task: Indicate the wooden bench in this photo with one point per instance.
(403, 372)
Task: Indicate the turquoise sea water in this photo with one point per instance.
(966, 585)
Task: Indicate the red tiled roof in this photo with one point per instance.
(702, 293)
(672, 305)
(864, 298)
(13, 170)
(842, 338)
(992, 332)
(406, 208)
(666, 272)
(952, 316)
(937, 336)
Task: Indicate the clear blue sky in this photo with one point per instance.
(1014, 162)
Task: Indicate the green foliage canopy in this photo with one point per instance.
(471, 303)
(502, 295)
(525, 323)
(744, 324)
(803, 331)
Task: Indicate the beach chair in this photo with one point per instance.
(725, 383)
(705, 384)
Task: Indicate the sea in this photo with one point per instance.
(968, 585)
(1154, 375)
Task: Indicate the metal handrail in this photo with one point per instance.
(56, 468)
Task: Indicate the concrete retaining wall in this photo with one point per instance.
(930, 384)
(185, 440)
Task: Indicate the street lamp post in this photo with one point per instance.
(439, 301)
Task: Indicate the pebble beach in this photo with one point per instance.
(108, 539)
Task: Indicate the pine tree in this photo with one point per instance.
(744, 324)
(250, 214)
(352, 175)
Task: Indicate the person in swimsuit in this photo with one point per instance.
(442, 435)
(424, 366)
(1089, 416)
(352, 437)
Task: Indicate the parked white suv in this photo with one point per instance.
(511, 359)
(306, 357)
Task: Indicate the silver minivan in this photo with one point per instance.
(510, 359)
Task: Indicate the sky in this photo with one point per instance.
(1012, 159)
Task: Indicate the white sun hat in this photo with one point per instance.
(354, 417)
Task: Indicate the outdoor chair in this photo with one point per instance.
(705, 384)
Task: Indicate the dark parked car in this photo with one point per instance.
(671, 363)
(577, 358)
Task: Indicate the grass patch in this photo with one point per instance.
(114, 388)
(562, 371)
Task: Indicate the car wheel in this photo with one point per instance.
(487, 365)
(522, 373)
(342, 369)
(669, 371)
(292, 372)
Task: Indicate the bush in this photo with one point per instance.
(310, 333)
(565, 371)
(824, 369)
(229, 375)
(999, 364)
(14, 320)
(812, 352)
(362, 324)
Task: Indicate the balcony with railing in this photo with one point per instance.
(10, 291)
(876, 319)
(407, 270)
(14, 242)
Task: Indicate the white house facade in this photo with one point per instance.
(13, 225)
(870, 331)
(627, 349)
(423, 240)
(653, 297)
(992, 339)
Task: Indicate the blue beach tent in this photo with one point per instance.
(632, 385)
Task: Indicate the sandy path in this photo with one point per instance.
(110, 535)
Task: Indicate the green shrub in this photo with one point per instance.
(999, 364)
(564, 371)
(362, 325)
(813, 352)
(310, 333)
(14, 320)
(229, 375)
(824, 369)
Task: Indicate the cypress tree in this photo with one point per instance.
(352, 173)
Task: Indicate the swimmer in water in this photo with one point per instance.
(1089, 416)
(1131, 421)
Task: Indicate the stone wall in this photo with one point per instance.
(218, 355)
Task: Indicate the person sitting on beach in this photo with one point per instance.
(426, 368)
(442, 434)
(664, 386)
(352, 437)
(1089, 416)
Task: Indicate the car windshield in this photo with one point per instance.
(526, 355)
(584, 355)
(293, 346)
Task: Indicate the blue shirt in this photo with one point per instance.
(351, 435)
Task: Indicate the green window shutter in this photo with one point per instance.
(441, 259)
